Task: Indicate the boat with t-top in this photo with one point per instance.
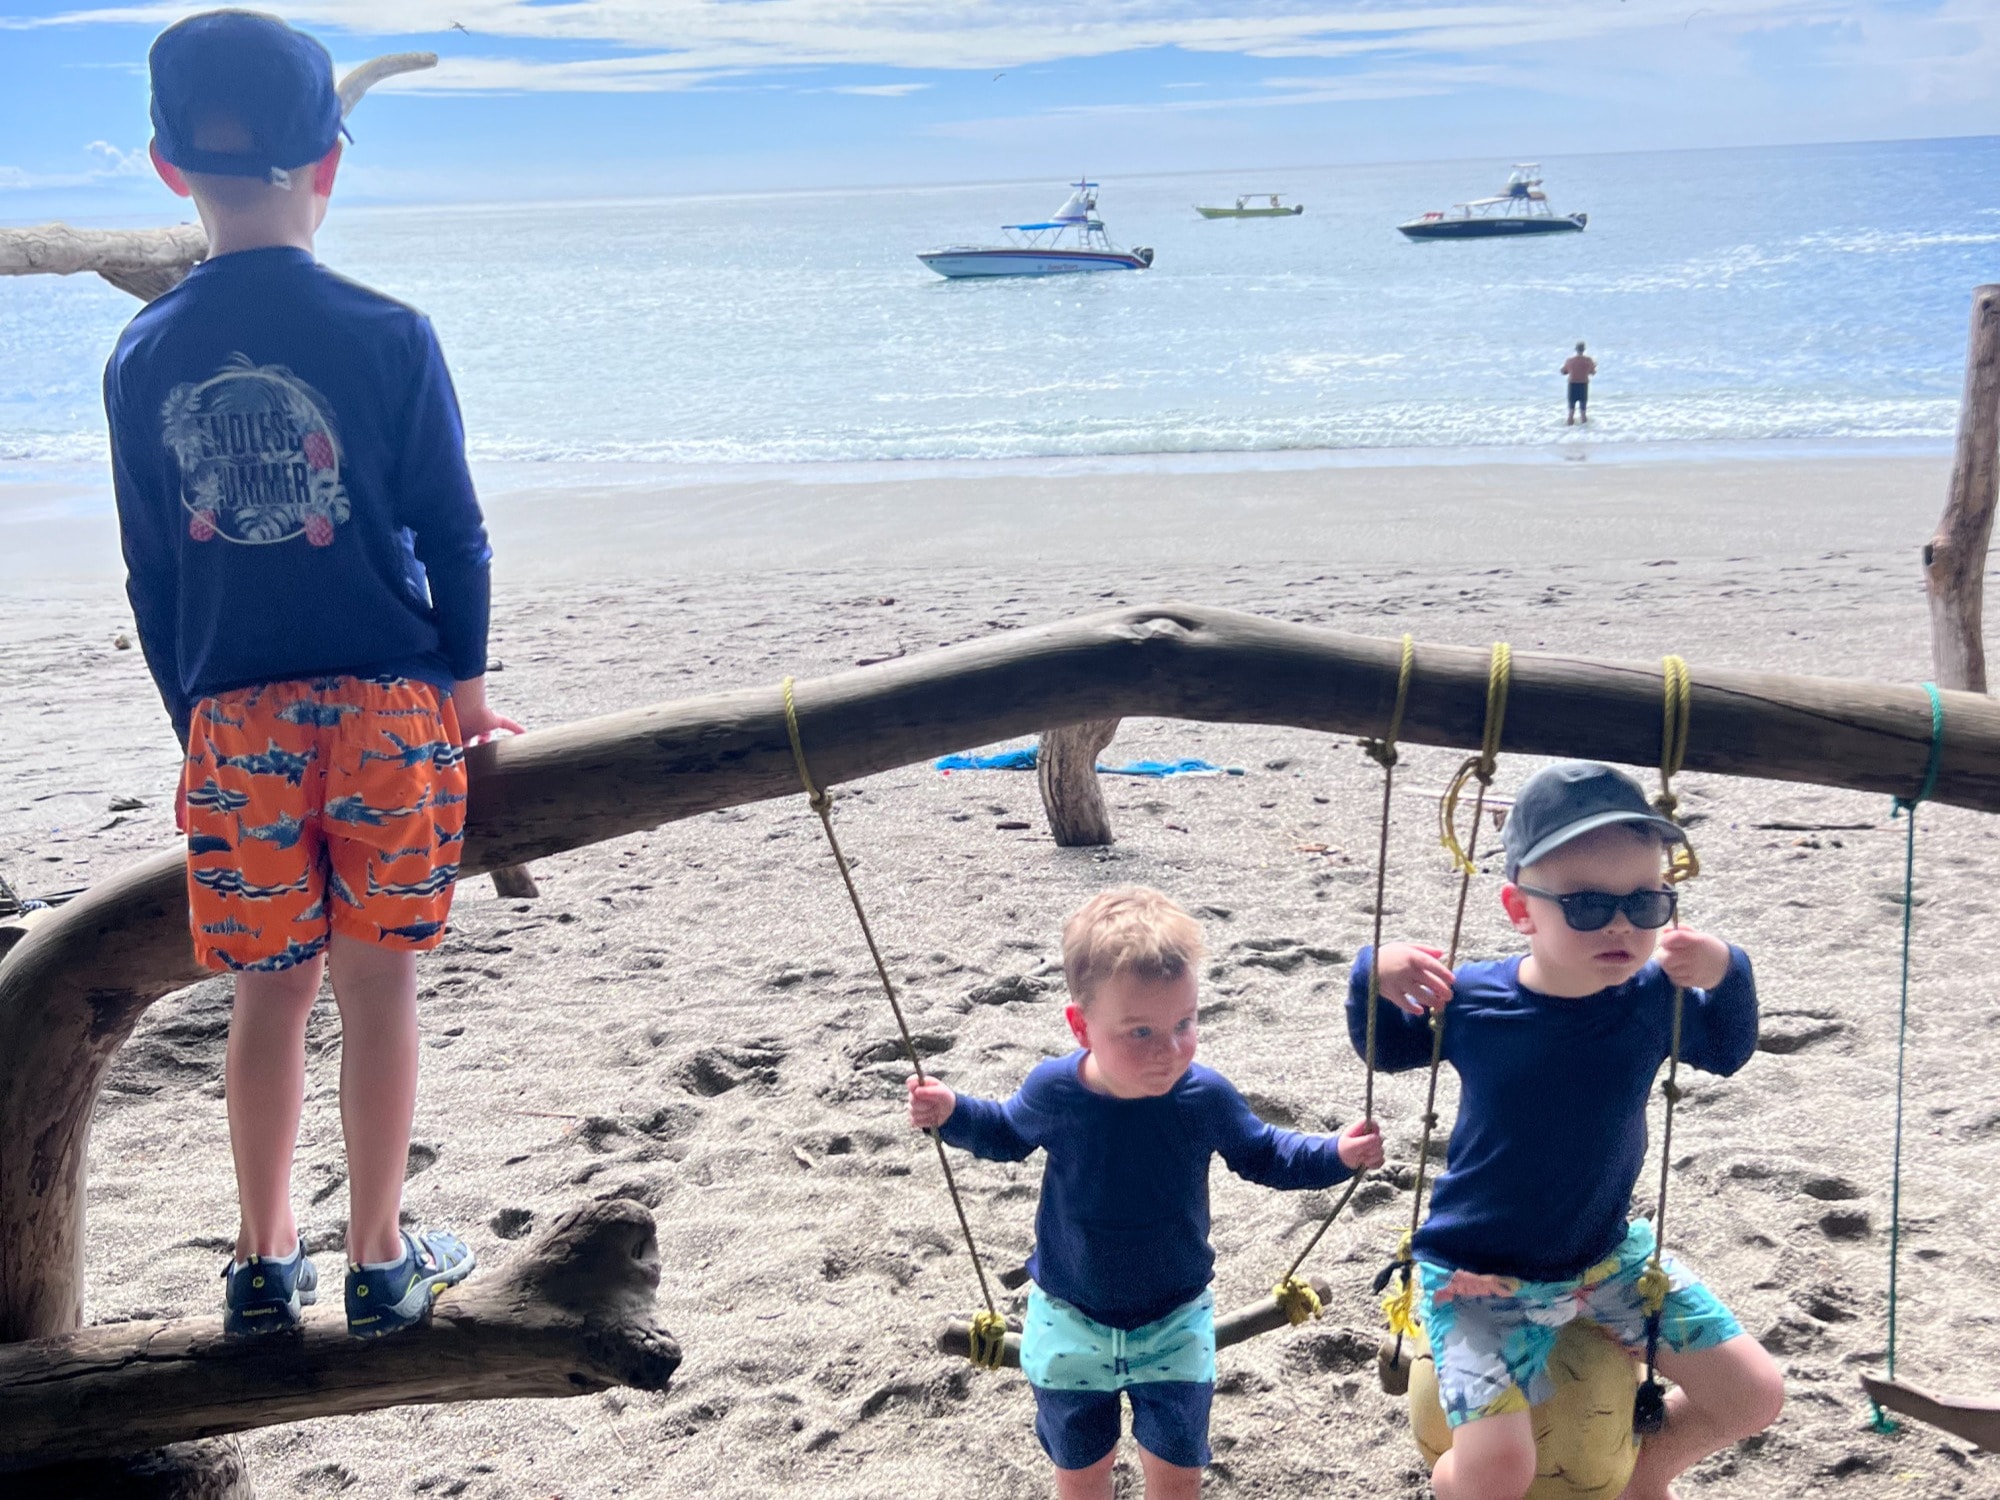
(1521, 207)
(1247, 207)
(1072, 239)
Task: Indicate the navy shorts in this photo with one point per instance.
(1169, 1420)
(1579, 393)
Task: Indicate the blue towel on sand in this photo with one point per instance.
(1023, 759)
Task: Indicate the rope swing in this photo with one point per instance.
(1300, 1301)
(1649, 1405)
(989, 1329)
(1882, 1421)
(1399, 1307)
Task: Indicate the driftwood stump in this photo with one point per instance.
(1955, 558)
(1066, 767)
(573, 1314)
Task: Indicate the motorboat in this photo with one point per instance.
(1247, 207)
(1521, 207)
(1072, 239)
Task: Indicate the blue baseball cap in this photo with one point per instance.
(241, 68)
(1569, 799)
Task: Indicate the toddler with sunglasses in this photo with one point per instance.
(1556, 1052)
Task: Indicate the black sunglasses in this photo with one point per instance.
(1586, 911)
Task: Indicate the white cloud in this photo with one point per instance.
(1892, 51)
(111, 162)
(976, 34)
(879, 90)
(115, 163)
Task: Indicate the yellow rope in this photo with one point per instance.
(1499, 674)
(1299, 1301)
(989, 1329)
(1678, 693)
(988, 1340)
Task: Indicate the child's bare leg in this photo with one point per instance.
(264, 1079)
(376, 990)
(1725, 1395)
(1165, 1481)
(1490, 1458)
(1093, 1483)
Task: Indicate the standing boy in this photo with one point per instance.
(1122, 1261)
(1577, 370)
(1556, 1052)
(308, 570)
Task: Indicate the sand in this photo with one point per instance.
(687, 1016)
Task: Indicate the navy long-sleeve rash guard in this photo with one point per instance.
(291, 482)
(1122, 1231)
(1551, 1131)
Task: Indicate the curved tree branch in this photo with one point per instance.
(72, 990)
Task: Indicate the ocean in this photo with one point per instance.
(1817, 294)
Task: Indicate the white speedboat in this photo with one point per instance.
(1072, 240)
(1521, 207)
(1247, 208)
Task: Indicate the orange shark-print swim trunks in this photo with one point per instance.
(323, 805)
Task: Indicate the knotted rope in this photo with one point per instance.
(989, 1329)
(1882, 1421)
(1399, 1306)
(1300, 1301)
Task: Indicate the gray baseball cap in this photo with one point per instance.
(1569, 799)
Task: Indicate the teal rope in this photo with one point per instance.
(1882, 1421)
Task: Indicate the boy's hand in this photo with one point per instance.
(1361, 1145)
(477, 722)
(931, 1103)
(1693, 960)
(1411, 978)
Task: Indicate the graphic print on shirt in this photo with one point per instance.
(259, 458)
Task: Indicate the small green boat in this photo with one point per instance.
(1247, 207)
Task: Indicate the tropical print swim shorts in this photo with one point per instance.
(1492, 1353)
(329, 804)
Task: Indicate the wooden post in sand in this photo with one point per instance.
(1066, 768)
(1955, 558)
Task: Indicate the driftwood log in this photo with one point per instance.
(1066, 769)
(954, 1335)
(72, 990)
(148, 263)
(571, 1315)
(1955, 558)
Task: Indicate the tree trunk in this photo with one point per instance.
(572, 1314)
(1955, 558)
(1067, 770)
(71, 991)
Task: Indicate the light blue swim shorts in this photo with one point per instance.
(1062, 1350)
(1492, 1353)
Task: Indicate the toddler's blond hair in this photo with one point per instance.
(1132, 929)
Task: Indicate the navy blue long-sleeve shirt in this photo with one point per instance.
(1551, 1129)
(292, 490)
(1122, 1230)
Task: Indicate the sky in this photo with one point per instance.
(560, 99)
